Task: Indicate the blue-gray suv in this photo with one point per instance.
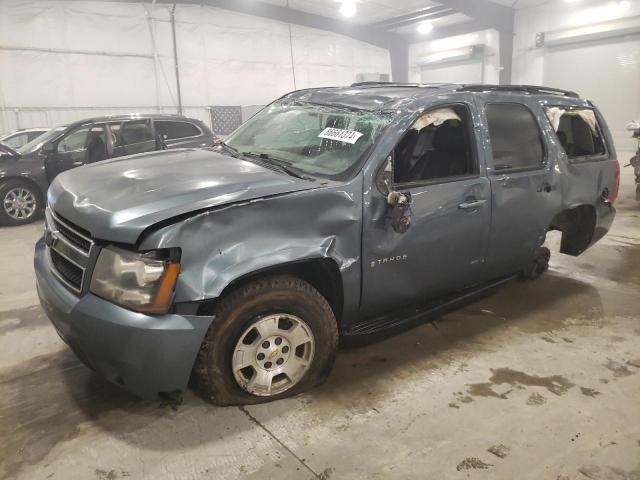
(332, 212)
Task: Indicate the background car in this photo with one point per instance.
(23, 136)
(25, 177)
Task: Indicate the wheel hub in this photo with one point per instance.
(273, 352)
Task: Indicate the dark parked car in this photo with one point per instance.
(333, 211)
(24, 178)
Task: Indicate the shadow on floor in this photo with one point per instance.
(46, 400)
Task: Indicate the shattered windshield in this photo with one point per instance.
(37, 142)
(314, 139)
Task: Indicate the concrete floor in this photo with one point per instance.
(538, 381)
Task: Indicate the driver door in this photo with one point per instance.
(70, 152)
(444, 248)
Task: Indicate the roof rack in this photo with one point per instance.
(532, 89)
(384, 84)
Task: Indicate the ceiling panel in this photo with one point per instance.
(454, 19)
(522, 3)
(368, 11)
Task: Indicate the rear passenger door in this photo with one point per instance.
(521, 181)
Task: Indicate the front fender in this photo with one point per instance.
(225, 244)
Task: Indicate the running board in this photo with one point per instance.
(416, 315)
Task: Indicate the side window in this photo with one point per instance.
(516, 139)
(33, 135)
(97, 144)
(74, 141)
(578, 131)
(172, 130)
(16, 141)
(114, 132)
(437, 146)
(137, 131)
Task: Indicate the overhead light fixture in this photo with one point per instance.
(424, 27)
(448, 56)
(348, 8)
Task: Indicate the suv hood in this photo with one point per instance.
(118, 199)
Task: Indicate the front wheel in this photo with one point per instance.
(271, 338)
(20, 203)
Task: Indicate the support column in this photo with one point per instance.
(399, 52)
(505, 40)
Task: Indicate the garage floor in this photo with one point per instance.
(537, 381)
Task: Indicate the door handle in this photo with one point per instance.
(77, 164)
(471, 204)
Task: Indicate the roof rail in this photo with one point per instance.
(533, 89)
(384, 84)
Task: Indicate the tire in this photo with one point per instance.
(270, 302)
(538, 265)
(32, 203)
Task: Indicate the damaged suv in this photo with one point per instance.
(332, 212)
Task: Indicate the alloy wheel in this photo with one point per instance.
(19, 203)
(273, 354)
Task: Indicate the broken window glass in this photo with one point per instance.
(435, 147)
(578, 131)
(316, 139)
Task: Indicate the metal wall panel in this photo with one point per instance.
(606, 72)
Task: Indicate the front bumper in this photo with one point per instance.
(146, 354)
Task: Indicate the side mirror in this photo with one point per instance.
(384, 180)
(401, 213)
(48, 148)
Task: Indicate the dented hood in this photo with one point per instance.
(118, 199)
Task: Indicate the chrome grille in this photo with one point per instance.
(70, 273)
(70, 249)
(74, 234)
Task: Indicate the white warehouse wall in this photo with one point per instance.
(606, 71)
(65, 60)
(484, 68)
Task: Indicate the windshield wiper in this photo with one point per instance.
(229, 148)
(283, 165)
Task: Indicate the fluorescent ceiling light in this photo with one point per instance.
(424, 27)
(348, 8)
(457, 55)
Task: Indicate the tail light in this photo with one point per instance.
(613, 196)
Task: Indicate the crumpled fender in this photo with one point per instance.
(230, 242)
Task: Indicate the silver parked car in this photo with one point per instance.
(21, 137)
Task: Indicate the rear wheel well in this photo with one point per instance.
(577, 226)
(321, 273)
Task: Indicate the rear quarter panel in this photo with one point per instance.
(584, 182)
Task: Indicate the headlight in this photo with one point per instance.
(140, 281)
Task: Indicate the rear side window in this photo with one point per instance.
(136, 132)
(172, 130)
(17, 140)
(578, 131)
(516, 141)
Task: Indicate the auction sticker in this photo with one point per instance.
(347, 136)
